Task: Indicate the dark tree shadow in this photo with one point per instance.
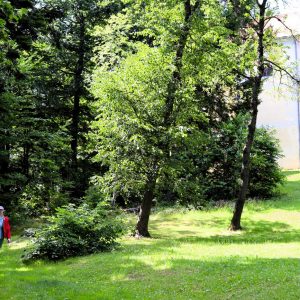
(123, 276)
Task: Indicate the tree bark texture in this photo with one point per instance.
(256, 89)
(236, 219)
(5, 150)
(141, 229)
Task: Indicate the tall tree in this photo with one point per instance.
(159, 80)
(263, 40)
(148, 104)
(17, 34)
(173, 87)
(66, 49)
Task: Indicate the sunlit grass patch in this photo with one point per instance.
(192, 255)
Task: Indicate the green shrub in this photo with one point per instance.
(265, 174)
(222, 179)
(222, 160)
(74, 232)
(213, 172)
(186, 190)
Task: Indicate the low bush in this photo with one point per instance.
(74, 232)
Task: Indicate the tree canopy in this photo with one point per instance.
(133, 103)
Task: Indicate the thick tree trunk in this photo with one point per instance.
(4, 172)
(78, 92)
(257, 84)
(141, 229)
(5, 150)
(74, 141)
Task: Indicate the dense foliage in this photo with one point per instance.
(135, 100)
(265, 172)
(215, 173)
(74, 232)
(224, 158)
(45, 102)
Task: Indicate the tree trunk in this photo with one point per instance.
(174, 84)
(78, 82)
(236, 219)
(175, 81)
(25, 160)
(78, 91)
(141, 229)
(257, 84)
(4, 158)
(5, 186)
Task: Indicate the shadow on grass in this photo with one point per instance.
(150, 270)
(127, 275)
(254, 232)
(248, 238)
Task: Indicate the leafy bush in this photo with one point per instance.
(186, 190)
(265, 174)
(38, 199)
(74, 232)
(215, 170)
(225, 156)
(221, 162)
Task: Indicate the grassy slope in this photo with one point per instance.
(192, 256)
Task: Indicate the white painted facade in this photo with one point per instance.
(279, 108)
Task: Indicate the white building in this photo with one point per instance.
(280, 107)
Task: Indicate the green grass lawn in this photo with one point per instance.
(192, 255)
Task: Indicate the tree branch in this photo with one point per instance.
(263, 4)
(288, 28)
(281, 69)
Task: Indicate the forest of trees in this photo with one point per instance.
(134, 102)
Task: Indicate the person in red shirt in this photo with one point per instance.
(4, 227)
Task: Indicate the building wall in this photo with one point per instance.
(279, 110)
